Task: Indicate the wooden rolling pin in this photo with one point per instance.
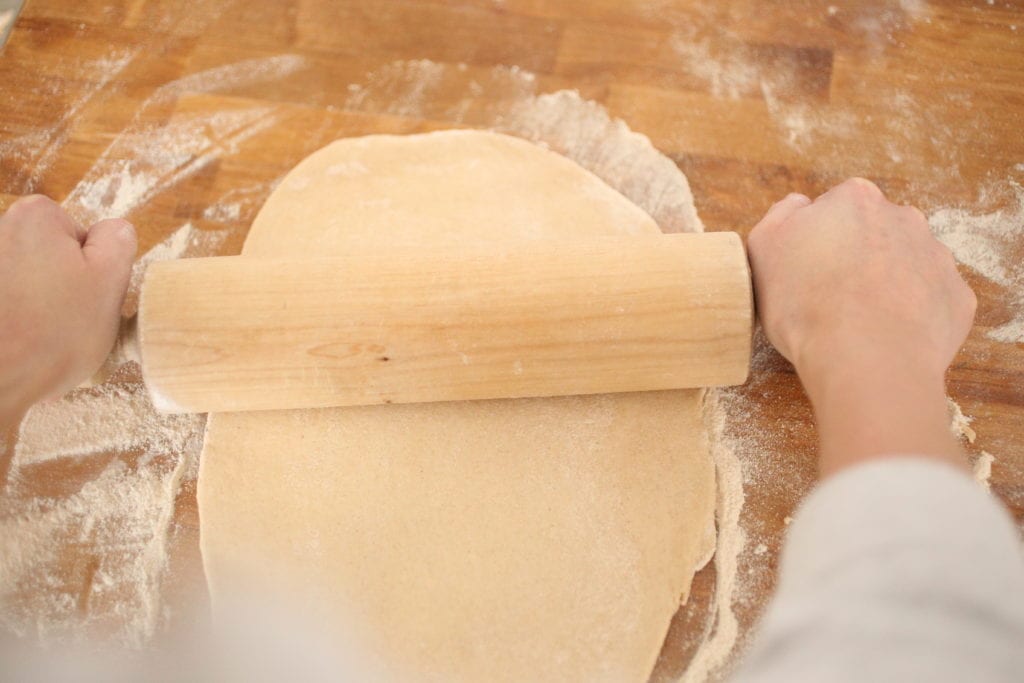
(404, 325)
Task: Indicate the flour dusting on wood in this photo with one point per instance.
(87, 561)
(108, 419)
(125, 511)
(39, 149)
(991, 244)
(139, 165)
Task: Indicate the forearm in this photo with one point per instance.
(12, 403)
(10, 413)
(23, 379)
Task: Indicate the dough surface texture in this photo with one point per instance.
(532, 539)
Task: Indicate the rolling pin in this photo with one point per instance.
(414, 324)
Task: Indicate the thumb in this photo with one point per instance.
(109, 251)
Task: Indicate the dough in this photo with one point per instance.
(539, 539)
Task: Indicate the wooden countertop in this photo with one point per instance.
(751, 100)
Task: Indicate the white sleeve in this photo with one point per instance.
(897, 570)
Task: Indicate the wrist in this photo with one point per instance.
(18, 379)
(845, 360)
(12, 408)
(868, 408)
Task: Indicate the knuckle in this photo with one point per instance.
(32, 201)
(863, 188)
(34, 206)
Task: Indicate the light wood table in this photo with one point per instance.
(750, 99)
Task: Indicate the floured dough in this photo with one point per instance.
(520, 540)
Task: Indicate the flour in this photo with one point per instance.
(829, 133)
(90, 563)
(424, 90)
(97, 420)
(39, 149)
(960, 424)
(991, 245)
(416, 79)
(239, 205)
(982, 468)
(728, 71)
(718, 645)
(124, 513)
(139, 165)
(223, 212)
(582, 131)
(226, 77)
(145, 159)
(562, 121)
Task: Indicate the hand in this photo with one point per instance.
(870, 309)
(61, 289)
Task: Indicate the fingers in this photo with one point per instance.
(109, 251)
(781, 210)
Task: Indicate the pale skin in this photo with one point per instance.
(61, 289)
(869, 307)
(851, 288)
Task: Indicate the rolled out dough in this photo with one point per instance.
(540, 539)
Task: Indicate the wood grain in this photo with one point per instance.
(409, 325)
(751, 99)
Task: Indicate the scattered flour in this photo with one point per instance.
(226, 77)
(145, 159)
(239, 205)
(728, 70)
(223, 212)
(583, 131)
(111, 418)
(123, 516)
(992, 245)
(982, 468)
(138, 165)
(714, 653)
(959, 423)
(90, 563)
(38, 149)
(415, 79)
(126, 511)
(905, 130)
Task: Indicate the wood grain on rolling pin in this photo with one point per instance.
(405, 325)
